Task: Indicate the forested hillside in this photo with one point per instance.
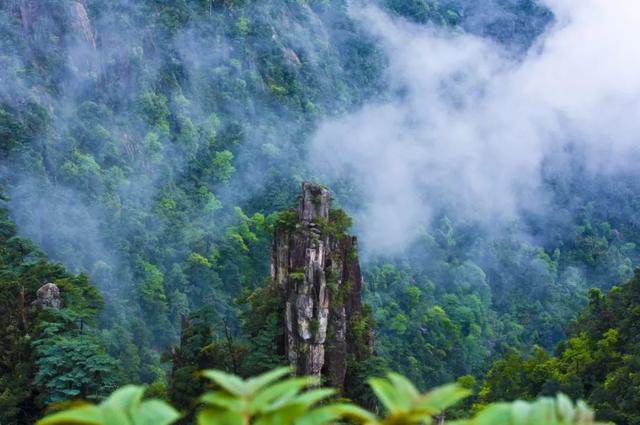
(50, 352)
(598, 363)
(150, 150)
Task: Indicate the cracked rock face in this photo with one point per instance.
(318, 271)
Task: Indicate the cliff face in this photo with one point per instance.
(34, 13)
(315, 265)
(82, 23)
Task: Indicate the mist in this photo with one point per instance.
(470, 126)
(148, 127)
(147, 144)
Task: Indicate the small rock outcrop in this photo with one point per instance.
(82, 23)
(315, 265)
(48, 296)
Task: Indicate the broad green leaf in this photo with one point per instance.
(125, 398)
(584, 415)
(565, 409)
(229, 382)
(285, 401)
(309, 398)
(114, 416)
(543, 411)
(319, 416)
(403, 386)
(217, 417)
(495, 414)
(88, 415)
(282, 416)
(388, 396)
(520, 412)
(154, 412)
(223, 400)
(286, 409)
(280, 392)
(259, 382)
(440, 398)
(265, 401)
(353, 412)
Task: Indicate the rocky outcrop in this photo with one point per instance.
(315, 265)
(28, 12)
(34, 13)
(48, 296)
(82, 23)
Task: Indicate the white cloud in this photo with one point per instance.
(471, 125)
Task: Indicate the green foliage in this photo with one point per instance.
(453, 301)
(599, 362)
(338, 224)
(287, 219)
(275, 399)
(151, 288)
(155, 162)
(263, 328)
(46, 355)
(72, 367)
(405, 405)
(430, 331)
(261, 400)
(124, 407)
(149, 134)
(545, 410)
(202, 345)
(424, 11)
(223, 166)
(297, 275)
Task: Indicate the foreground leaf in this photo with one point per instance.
(80, 415)
(231, 383)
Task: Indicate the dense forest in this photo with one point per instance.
(152, 155)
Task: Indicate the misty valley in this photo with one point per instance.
(309, 212)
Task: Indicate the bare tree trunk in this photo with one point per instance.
(23, 320)
(232, 354)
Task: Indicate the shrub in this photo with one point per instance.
(270, 399)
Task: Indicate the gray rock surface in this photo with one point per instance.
(48, 296)
(318, 271)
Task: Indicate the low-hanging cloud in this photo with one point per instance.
(470, 126)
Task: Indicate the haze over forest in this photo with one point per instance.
(483, 153)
